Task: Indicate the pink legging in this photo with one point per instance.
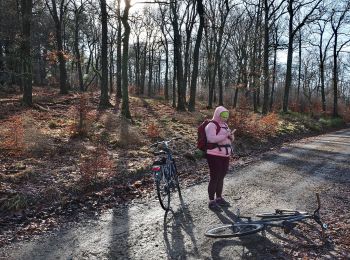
(218, 167)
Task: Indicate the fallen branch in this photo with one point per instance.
(41, 108)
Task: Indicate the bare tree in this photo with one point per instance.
(118, 94)
(78, 10)
(104, 97)
(337, 20)
(165, 31)
(26, 8)
(125, 104)
(239, 46)
(217, 17)
(193, 88)
(270, 9)
(276, 45)
(58, 17)
(295, 6)
(322, 44)
(190, 14)
(178, 58)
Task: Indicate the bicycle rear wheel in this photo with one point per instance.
(281, 213)
(163, 192)
(176, 179)
(234, 230)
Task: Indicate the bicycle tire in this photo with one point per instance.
(176, 178)
(284, 214)
(234, 230)
(163, 192)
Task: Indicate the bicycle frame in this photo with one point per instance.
(277, 219)
(165, 173)
(288, 222)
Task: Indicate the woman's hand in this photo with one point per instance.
(231, 135)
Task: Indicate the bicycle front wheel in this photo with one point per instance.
(163, 192)
(234, 230)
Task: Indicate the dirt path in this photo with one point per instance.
(288, 178)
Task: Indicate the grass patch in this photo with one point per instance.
(295, 121)
(19, 177)
(331, 122)
(14, 203)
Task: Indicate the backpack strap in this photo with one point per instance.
(226, 146)
(218, 127)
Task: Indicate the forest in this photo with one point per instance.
(86, 86)
(267, 54)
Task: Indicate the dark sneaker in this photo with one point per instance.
(214, 206)
(223, 203)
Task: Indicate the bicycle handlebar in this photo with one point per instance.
(159, 153)
(165, 142)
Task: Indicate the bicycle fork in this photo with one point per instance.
(289, 225)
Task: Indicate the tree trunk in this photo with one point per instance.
(104, 97)
(158, 78)
(221, 85)
(150, 72)
(335, 77)
(111, 69)
(322, 84)
(186, 62)
(274, 74)
(77, 51)
(125, 104)
(178, 58)
(289, 59)
(60, 50)
(1, 49)
(90, 60)
(26, 51)
(291, 34)
(137, 65)
(193, 88)
(299, 68)
(143, 70)
(174, 84)
(62, 62)
(322, 61)
(119, 56)
(43, 64)
(253, 66)
(265, 107)
(235, 98)
(166, 77)
(211, 81)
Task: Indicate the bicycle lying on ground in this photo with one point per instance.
(165, 172)
(284, 218)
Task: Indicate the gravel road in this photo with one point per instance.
(285, 178)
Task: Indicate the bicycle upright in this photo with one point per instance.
(165, 172)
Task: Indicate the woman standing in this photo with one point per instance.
(218, 157)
